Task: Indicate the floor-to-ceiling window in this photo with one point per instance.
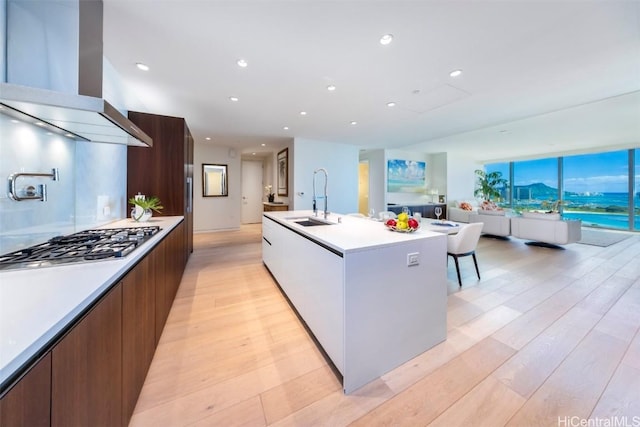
(534, 182)
(636, 188)
(505, 194)
(601, 189)
(596, 189)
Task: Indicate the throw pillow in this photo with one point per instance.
(490, 206)
(466, 206)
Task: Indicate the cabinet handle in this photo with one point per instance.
(189, 194)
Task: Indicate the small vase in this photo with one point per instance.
(271, 198)
(141, 215)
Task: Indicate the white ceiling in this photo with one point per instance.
(538, 76)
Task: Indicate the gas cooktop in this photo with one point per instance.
(84, 246)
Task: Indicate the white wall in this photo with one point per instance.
(461, 177)
(377, 178)
(269, 176)
(216, 213)
(341, 163)
(437, 172)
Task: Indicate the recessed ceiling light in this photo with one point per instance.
(286, 128)
(253, 154)
(391, 104)
(68, 135)
(39, 124)
(15, 121)
(455, 73)
(208, 138)
(143, 67)
(233, 98)
(303, 113)
(386, 39)
(331, 88)
(354, 122)
(242, 63)
(263, 145)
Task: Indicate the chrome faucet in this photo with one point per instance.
(326, 178)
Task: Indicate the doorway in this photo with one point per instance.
(363, 187)
(251, 209)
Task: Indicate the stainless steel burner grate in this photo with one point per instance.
(84, 246)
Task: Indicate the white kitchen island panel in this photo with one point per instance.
(351, 285)
(311, 277)
(393, 312)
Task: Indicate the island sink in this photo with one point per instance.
(311, 221)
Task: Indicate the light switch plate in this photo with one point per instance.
(413, 259)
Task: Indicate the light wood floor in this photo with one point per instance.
(544, 336)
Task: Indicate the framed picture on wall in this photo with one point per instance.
(406, 176)
(283, 172)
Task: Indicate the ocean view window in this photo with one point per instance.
(636, 188)
(534, 182)
(505, 193)
(596, 189)
(601, 189)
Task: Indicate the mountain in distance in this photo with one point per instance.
(538, 191)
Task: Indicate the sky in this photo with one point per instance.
(601, 172)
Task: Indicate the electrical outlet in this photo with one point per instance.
(413, 259)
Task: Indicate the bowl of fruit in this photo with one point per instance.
(403, 224)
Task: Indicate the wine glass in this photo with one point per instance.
(438, 211)
(406, 210)
(372, 213)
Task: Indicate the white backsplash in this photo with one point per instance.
(90, 191)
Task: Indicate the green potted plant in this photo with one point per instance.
(488, 184)
(143, 207)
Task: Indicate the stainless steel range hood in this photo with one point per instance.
(61, 88)
(83, 117)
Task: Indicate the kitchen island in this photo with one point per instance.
(351, 283)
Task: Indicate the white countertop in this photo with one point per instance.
(352, 234)
(36, 304)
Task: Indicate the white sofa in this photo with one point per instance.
(496, 223)
(455, 213)
(546, 228)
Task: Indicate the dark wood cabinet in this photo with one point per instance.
(427, 211)
(168, 257)
(86, 373)
(158, 265)
(138, 330)
(28, 403)
(166, 169)
(269, 207)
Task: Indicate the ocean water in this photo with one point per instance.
(584, 203)
(600, 200)
(620, 221)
